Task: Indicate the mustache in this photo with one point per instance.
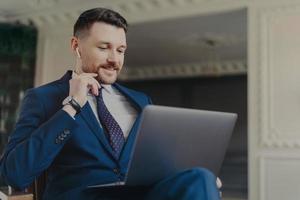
(109, 66)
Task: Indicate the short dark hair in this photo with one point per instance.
(89, 17)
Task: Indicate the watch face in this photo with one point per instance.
(66, 100)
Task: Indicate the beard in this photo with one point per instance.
(107, 75)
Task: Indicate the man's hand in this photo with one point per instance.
(81, 84)
(219, 185)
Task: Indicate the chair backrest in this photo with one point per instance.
(37, 188)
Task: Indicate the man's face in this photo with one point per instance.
(102, 51)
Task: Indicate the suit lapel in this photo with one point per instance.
(127, 150)
(86, 113)
(139, 104)
(89, 117)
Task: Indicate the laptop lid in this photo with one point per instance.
(172, 139)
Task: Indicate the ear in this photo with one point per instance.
(74, 46)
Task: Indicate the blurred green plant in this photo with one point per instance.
(17, 40)
(17, 66)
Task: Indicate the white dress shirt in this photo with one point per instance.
(119, 107)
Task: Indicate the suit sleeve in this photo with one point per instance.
(35, 142)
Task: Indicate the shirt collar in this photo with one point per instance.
(108, 88)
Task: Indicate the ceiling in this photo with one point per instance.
(28, 10)
(12, 8)
(200, 38)
(217, 37)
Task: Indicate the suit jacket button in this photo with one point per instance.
(116, 171)
(57, 141)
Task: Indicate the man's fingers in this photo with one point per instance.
(94, 85)
(219, 183)
(89, 80)
(85, 74)
(91, 76)
(94, 88)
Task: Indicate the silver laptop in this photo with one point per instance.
(172, 139)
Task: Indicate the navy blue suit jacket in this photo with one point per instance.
(76, 153)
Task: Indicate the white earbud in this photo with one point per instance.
(77, 51)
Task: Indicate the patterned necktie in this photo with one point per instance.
(113, 130)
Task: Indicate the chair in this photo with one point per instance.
(37, 188)
(33, 192)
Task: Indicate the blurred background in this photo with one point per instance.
(224, 55)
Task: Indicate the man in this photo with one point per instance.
(81, 128)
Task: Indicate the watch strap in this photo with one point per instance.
(72, 102)
(75, 105)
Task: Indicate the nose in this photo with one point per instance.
(112, 57)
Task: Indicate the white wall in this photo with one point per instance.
(274, 94)
(54, 55)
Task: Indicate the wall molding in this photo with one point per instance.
(284, 157)
(271, 135)
(136, 11)
(204, 69)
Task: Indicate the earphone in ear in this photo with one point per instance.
(77, 51)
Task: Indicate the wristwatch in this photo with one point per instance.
(72, 102)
